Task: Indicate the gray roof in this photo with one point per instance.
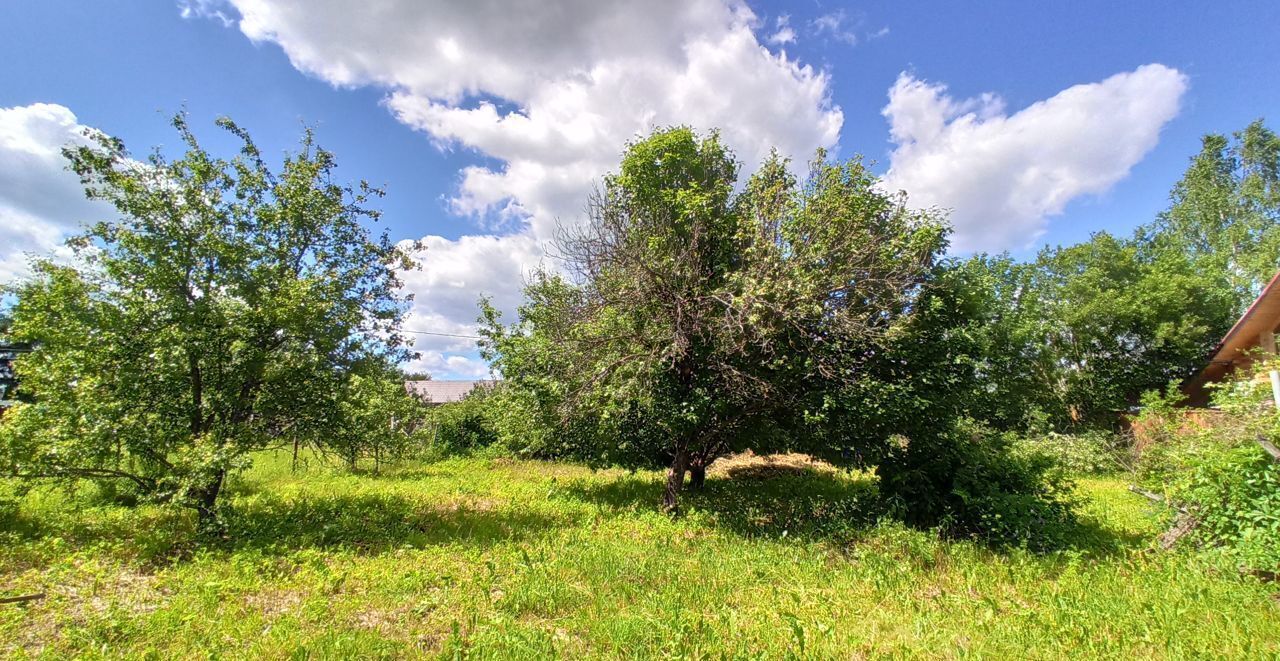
(443, 392)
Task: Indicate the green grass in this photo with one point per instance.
(501, 559)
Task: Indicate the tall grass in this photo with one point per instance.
(507, 559)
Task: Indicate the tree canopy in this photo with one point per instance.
(1118, 316)
(232, 307)
(697, 316)
(222, 311)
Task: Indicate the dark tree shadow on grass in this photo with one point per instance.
(755, 501)
(805, 503)
(365, 524)
(374, 523)
(1096, 539)
(151, 534)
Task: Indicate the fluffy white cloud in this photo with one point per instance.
(40, 201)
(783, 32)
(450, 366)
(450, 50)
(550, 91)
(1003, 176)
(572, 130)
(455, 274)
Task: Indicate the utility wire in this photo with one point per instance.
(467, 337)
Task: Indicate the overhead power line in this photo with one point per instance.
(418, 332)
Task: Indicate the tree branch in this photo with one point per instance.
(1271, 449)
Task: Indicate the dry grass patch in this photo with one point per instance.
(749, 465)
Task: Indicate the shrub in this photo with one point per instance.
(1087, 453)
(379, 420)
(1236, 492)
(525, 423)
(9, 512)
(1223, 477)
(461, 427)
(971, 483)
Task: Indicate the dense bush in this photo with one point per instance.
(461, 427)
(1220, 475)
(970, 483)
(379, 420)
(1237, 495)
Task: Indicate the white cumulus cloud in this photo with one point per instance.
(41, 202)
(549, 92)
(1004, 175)
(457, 273)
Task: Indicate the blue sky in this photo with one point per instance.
(487, 122)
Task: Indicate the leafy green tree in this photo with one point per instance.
(378, 419)
(8, 353)
(1225, 211)
(697, 317)
(1126, 320)
(982, 332)
(222, 312)
(1125, 315)
(921, 410)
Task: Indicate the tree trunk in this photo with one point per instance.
(206, 503)
(675, 481)
(697, 476)
(197, 393)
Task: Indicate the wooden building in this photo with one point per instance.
(1253, 335)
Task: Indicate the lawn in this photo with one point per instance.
(515, 559)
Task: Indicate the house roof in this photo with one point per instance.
(1262, 316)
(443, 392)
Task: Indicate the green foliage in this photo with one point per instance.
(973, 347)
(1225, 211)
(1135, 314)
(984, 328)
(1089, 452)
(1127, 318)
(378, 419)
(700, 318)
(971, 483)
(462, 427)
(1236, 492)
(1220, 474)
(223, 311)
(912, 415)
